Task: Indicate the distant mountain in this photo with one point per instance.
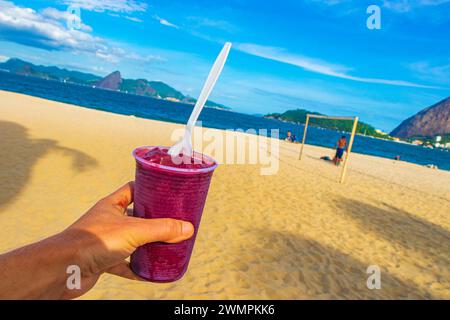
(110, 82)
(113, 81)
(216, 105)
(298, 116)
(428, 123)
(165, 91)
(21, 67)
(140, 87)
(154, 89)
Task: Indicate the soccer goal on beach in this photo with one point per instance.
(350, 144)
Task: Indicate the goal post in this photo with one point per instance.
(350, 144)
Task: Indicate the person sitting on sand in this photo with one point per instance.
(290, 137)
(99, 242)
(341, 145)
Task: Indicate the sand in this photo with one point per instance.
(298, 234)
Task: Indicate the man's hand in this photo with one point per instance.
(108, 236)
(98, 242)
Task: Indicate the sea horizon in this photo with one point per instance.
(212, 117)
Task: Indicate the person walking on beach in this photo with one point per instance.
(341, 145)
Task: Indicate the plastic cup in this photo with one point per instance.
(168, 191)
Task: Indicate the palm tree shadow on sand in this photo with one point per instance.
(320, 271)
(19, 153)
(400, 227)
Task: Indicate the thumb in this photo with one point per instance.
(161, 230)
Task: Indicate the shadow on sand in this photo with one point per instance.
(401, 227)
(19, 153)
(320, 271)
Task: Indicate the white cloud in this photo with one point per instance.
(44, 29)
(212, 23)
(114, 8)
(64, 16)
(134, 19)
(394, 5)
(316, 65)
(166, 23)
(251, 92)
(432, 72)
(399, 6)
(145, 58)
(47, 30)
(408, 5)
(124, 6)
(330, 2)
(107, 57)
(280, 54)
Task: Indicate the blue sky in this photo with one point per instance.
(287, 54)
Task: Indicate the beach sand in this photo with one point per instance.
(298, 234)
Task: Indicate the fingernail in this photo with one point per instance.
(187, 228)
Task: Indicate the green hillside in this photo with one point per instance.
(298, 116)
(154, 89)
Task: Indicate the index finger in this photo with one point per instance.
(123, 197)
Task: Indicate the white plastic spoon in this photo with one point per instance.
(185, 145)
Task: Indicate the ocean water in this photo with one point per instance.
(150, 108)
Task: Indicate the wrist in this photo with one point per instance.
(60, 255)
(78, 245)
(43, 269)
